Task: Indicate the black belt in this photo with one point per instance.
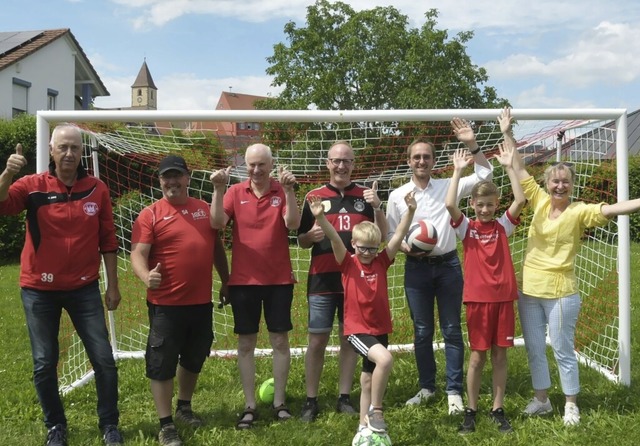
(434, 260)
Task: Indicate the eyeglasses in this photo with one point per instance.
(367, 249)
(337, 161)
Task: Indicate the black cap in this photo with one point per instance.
(173, 162)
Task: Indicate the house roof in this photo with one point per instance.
(16, 45)
(144, 78)
(237, 101)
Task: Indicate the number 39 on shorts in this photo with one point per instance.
(46, 277)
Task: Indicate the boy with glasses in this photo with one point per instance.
(367, 316)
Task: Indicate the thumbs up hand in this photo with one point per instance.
(154, 278)
(16, 161)
(371, 196)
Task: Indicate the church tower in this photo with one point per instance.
(144, 93)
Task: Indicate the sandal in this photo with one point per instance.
(244, 423)
(282, 412)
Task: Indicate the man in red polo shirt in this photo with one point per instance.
(263, 211)
(173, 251)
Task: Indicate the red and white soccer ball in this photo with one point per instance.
(422, 236)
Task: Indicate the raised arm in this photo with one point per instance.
(317, 208)
(217, 216)
(292, 214)
(15, 163)
(505, 156)
(461, 159)
(371, 197)
(505, 120)
(403, 227)
(463, 131)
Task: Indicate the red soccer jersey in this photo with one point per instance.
(260, 246)
(366, 299)
(67, 229)
(182, 241)
(343, 211)
(489, 275)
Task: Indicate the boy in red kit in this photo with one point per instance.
(367, 317)
(490, 283)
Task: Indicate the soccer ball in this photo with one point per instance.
(422, 236)
(265, 392)
(366, 437)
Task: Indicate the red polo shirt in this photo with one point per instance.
(260, 246)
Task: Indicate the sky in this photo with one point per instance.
(538, 54)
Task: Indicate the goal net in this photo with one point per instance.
(124, 148)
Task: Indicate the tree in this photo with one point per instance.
(371, 59)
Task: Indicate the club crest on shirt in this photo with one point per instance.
(90, 208)
(358, 205)
(200, 214)
(276, 201)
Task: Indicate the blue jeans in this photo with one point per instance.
(425, 284)
(43, 310)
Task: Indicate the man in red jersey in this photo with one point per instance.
(173, 251)
(346, 204)
(69, 227)
(263, 211)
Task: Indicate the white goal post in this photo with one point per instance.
(592, 137)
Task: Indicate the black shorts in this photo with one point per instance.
(178, 334)
(361, 343)
(247, 302)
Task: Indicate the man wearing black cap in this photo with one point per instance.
(172, 244)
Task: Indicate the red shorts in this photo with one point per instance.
(490, 323)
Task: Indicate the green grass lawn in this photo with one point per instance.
(610, 413)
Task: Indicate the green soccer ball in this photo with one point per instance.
(366, 437)
(266, 390)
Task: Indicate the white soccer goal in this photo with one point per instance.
(123, 148)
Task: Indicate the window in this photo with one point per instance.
(20, 96)
(52, 96)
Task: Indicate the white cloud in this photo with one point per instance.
(460, 15)
(604, 54)
(539, 97)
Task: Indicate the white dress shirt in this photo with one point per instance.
(431, 206)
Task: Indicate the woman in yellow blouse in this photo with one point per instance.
(550, 294)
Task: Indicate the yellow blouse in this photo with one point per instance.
(548, 270)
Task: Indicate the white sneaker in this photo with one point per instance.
(421, 397)
(536, 407)
(571, 415)
(456, 406)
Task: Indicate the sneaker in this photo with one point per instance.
(536, 407)
(456, 406)
(344, 406)
(112, 436)
(185, 415)
(497, 416)
(571, 415)
(57, 436)
(310, 411)
(469, 422)
(168, 435)
(375, 421)
(421, 397)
